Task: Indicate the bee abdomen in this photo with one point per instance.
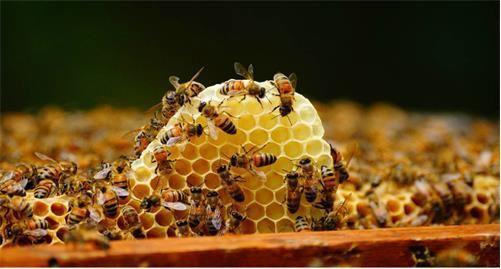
(228, 127)
(264, 159)
(301, 224)
(310, 194)
(343, 173)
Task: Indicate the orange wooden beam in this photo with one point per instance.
(378, 247)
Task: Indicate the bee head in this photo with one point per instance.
(238, 216)
(285, 110)
(180, 223)
(200, 129)
(212, 193)
(234, 160)
(305, 161)
(262, 92)
(201, 106)
(196, 190)
(145, 203)
(222, 168)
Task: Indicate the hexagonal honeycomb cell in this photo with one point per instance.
(256, 127)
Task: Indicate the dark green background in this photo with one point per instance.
(421, 55)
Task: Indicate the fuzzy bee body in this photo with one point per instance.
(301, 224)
(110, 205)
(230, 183)
(164, 165)
(44, 189)
(214, 118)
(21, 208)
(213, 221)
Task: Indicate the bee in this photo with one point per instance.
(174, 199)
(230, 183)
(340, 167)
(29, 227)
(378, 210)
(107, 198)
(45, 189)
(82, 207)
(132, 222)
(21, 208)
(196, 194)
(21, 172)
(196, 216)
(168, 107)
(12, 187)
(238, 87)
(286, 88)
(213, 221)
(252, 159)
(327, 198)
(214, 118)
(334, 219)
(421, 256)
(309, 173)
(183, 230)
(145, 135)
(150, 202)
(301, 224)
(55, 171)
(329, 179)
(186, 91)
(293, 198)
(164, 165)
(461, 192)
(442, 209)
(430, 200)
(235, 218)
(181, 132)
(87, 233)
(292, 179)
(213, 200)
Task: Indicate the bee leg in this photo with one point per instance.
(245, 96)
(259, 101)
(227, 113)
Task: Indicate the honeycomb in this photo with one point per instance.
(197, 160)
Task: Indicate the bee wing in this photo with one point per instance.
(212, 129)
(131, 132)
(260, 174)
(194, 77)
(217, 222)
(176, 206)
(174, 81)
(36, 232)
(94, 214)
(155, 107)
(241, 70)
(293, 80)
(7, 176)
(44, 157)
(103, 173)
(119, 191)
(100, 198)
(251, 71)
(23, 182)
(173, 140)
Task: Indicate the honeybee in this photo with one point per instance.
(213, 220)
(230, 183)
(12, 187)
(29, 227)
(156, 200)
(327, 199)
(168, 106)
(340, 167)
(180, 132)
(214, 118)
(82, 207)
(132, 222)
(431, 201)
(252, 159)
(174, 199)
(107, 198)
(21, 208)
(286, 87)
(334, 219)
(378, 210)
(164, 165)
(145, 135)
(461, 192)
(196, 194)
(309, 173)
(21, 172)
(294, 191)
(196, 216)
(55, 171)
(186, 91)
(238, 87)
(45, 189)
(183, 230)
(235, 218)
(301, 224)
(442, 209)
(213, 199)
(87, 233)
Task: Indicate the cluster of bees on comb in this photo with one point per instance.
(240, 157)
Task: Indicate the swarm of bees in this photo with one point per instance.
(440, 172)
